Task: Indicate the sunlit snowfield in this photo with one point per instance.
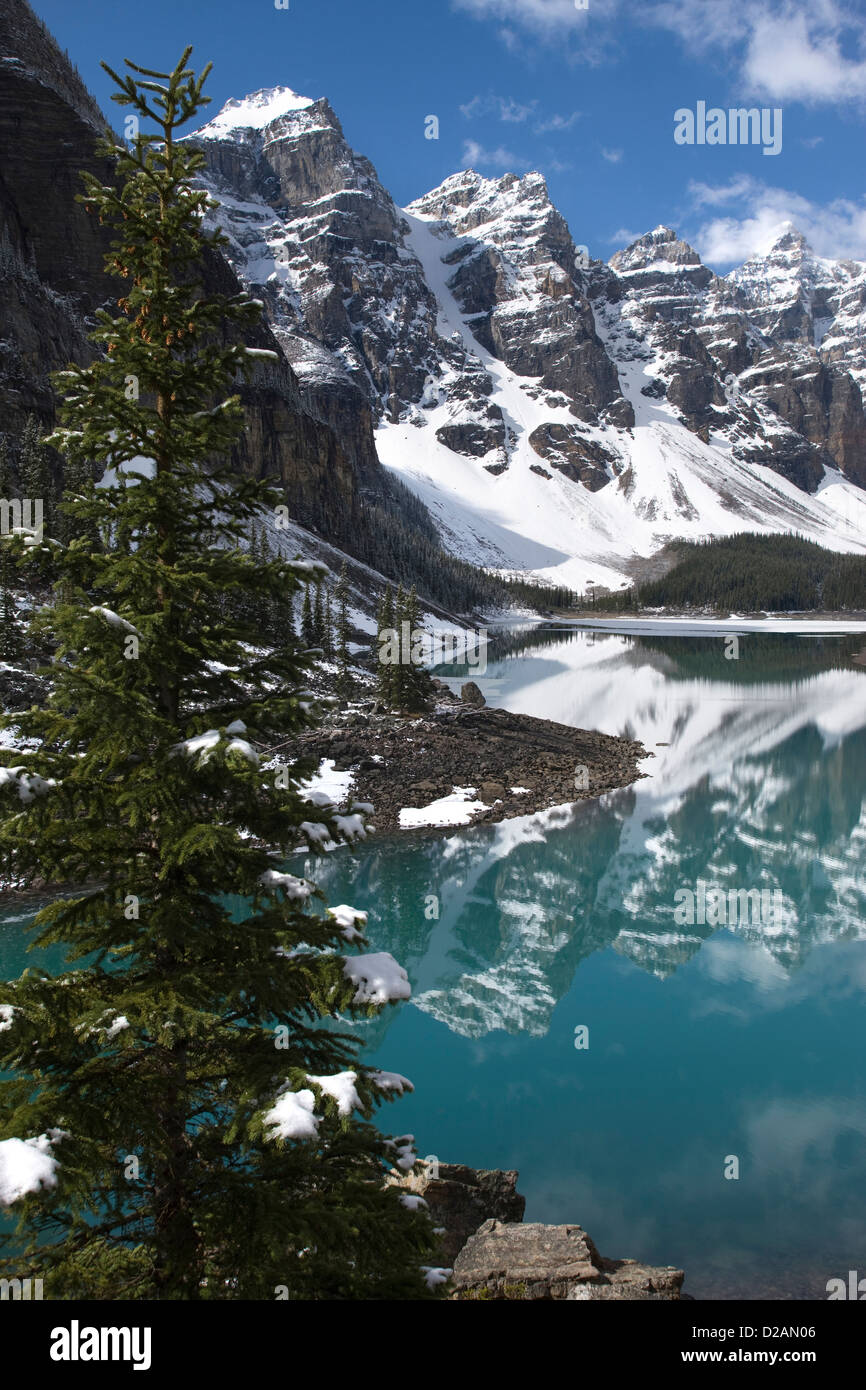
(704, 1042)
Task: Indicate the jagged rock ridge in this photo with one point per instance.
(553, 417)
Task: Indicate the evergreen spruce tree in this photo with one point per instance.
(77, 479)
(197, 1132)
(385, 669)
(319, 618)
(416, 683)
(328, 641)
(308, 624)
(399, 681)
(10, 635)
(345, 684)
(34, 472)
(11, 638)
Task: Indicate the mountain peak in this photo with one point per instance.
(253, 112)
(489, 197)
(791, 242)
(661, 245)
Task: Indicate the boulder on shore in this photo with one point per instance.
(461, 1199)
(517, 1262)
(479, 1214)
(471, 694)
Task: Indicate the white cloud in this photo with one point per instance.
(545, 16)
(548, 123)
(762, 214)
(622, 237)
(475, 156)
(612, 156)
(516, 113)
(812, 51)
(797, 56)
(505, 108)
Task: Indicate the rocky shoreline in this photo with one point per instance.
(491, 1255)
(514, 764)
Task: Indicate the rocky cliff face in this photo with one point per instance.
(312, 227)
(813, 311)
(319, 444)
(554, 414)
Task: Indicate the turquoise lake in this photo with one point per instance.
(706, 1043)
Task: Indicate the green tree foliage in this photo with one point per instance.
(319, 618)
(213, 1137)
(328, 635)
(345, 683)
(11, 637)
(753, 573)
(308, 625)
(415, 686)
(386, 688)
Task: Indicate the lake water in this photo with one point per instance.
(706, 1043)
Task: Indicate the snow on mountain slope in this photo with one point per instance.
(564, 420)
(802, 298)
(253, 112)
(667, 481)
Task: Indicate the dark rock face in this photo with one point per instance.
(461, 1199)
(822, 405)
(318, 441)
(548, 329)
(51, 251)
(583, 460)
(738, 364)
(517, 1262)
(474, 438)
(325, 251)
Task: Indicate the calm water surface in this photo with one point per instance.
(704, 1042)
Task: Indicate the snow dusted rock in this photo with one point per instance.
(461, 1199)
(509, 1261)
(554, 416)
(312, 228)
(814, 311)
(515, 279)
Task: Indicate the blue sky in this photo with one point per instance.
(586, 96)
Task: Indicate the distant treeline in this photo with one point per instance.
(748, 573)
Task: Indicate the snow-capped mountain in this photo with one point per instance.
(557, 416)
(804, 300)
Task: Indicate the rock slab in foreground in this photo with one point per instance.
(519, 1262)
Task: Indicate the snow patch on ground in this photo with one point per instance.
(329, 783)
(456, 809)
